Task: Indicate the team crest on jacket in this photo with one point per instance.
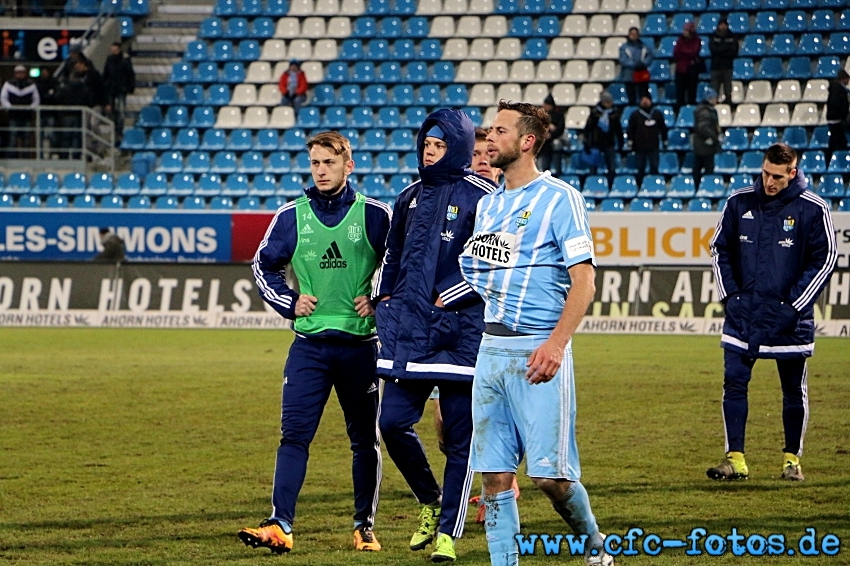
(522, 218)
(355, 233)
(451, 213)
(788, 224)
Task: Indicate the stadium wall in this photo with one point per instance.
(629, 299)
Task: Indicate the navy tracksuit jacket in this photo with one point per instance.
(423, 346)
(318, 362)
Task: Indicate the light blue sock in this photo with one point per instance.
(287, 528)
(574, 507)
(501, 523)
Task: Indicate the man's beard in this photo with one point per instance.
(503, 159)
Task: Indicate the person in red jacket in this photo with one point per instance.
(293, 87)
(686, 57)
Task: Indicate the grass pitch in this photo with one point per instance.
(153, 447)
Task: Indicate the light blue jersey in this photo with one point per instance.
(524, 241)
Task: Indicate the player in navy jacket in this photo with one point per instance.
(430, 323)
(773, 253)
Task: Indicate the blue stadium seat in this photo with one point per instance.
(641, 205)
(739, 23)
(774, 5)
(536, 49)
(726, 162)
(349, 95)
(678, 140)
(753, 46)
(194, 203)
(821, 21)
(149, 117)
(222, 50)
(206, 72)
(56, 201)
(429, 95)
(29, 201)
(202, 117)
(373, 140)
(362, 118)
(134, 139)
(73, 184)
(386, 162)
(46, 184)
(560, 6)
(364, 27)
(261, 28)
(686, 117)
(160, 139)
(401, 140)
(655, 25)
(372, 185)
(413, 117)
(363, 72)
(474, 114)
(378, 7)
(794, 21)
(248, 203)
(399, 182)
(810, 44)
(783, 45)
(99, 184)
(214, 140)
(334, 118)
(443, 72)
(209, 184)
(827, 68)
(233, 73)
(323, 95)
(139, 8)
(166, 95)
(308, 118)
(743, 69)
(236, 28)
(707, 23)
(507, 7)
(595, 186)
(223, 162)
(843, 21)
(170, 162)
(721, 5)
(547, 26)
(416, 28)
(252, 8)
(274, 203)
(112, 202)
(291, 186)
(403, 50)
(669, 115)
(813, 162)
(665, 6)
(660, 71)
(264, 185)
(625, 186)
(844, 205)
(430, 50)
(389, 72)
(211, 28)
(766, 22)
(677, 24)
(182, 185)
(378, 50)
(155, 184)
(751, 162)
(251, 162)
(736, 139)
(388, 118)
(351, 50)
(831, 186)
(375, 95)
(128, 184)
(799, 68)
(681, 186)
(820, 138)
(267, 140)
(521, 26)
(711, 186)
(301, 163)
(839, 44)
(763, 138)
(666, 46)
(166, 203)
(362, 163)
(277, 8)
(840, 162)
(221, 203)
(670, 205)
(336, 72)
(181, 72)
(248, 50)
(699, 205)
(390, 27)
(611, 205)
(770, 68)
(293, 139)
(279, 162)
(197, 162)
(235, 185)
(455, 95)
(795, 136)
(226, 8)
(176, 117)
(668, 163)
(402, 95)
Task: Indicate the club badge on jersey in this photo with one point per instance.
(451, 213)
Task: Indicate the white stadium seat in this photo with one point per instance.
(229, 117)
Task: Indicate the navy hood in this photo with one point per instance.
(460, 139)
(794, 189)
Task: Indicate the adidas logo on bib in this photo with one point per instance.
(332, 259)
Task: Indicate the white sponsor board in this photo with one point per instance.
(664, 238)
(125, 319)
(695, 326)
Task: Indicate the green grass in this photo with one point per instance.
(155, 447)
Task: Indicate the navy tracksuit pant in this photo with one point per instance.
(312, 369)
(402, 405)
(795, 400)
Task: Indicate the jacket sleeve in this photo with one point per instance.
(4, 96)
(378, 218)
(274, 253)
(648, 56)
(388, 273)
(821, 254)
(724, 237)
(453, 289)
(662, 125)
(625, 60)
(301, 87)
(282, 84)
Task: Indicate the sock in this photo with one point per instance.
(287, 528)
(792, 459)
(574, 507)
(737, 457)
(501, 523)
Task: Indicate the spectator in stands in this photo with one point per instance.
(688, 65)
(18, 96)
(113, 247)
(552, 145)
(646, 132)
(706, 138)
(83, 87)
(837, 114)
(75, 51)
(724, 48)
(604, 132)
(635, 58)
(119, 79)
(93, 81)
(293, 87)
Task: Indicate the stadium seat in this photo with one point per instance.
(182, 185)
(711, 186)
(827, 67)
(681, 186)
(127, 184)
(813, 162)
(611, 205)
(155, 184)
(625, 186)
(743, 69)
(99, 184)
(699, 205)
(831, 186)
(840, 163)
(751, 162)
(73, 184)
(670, 205)
(641, 205)
(197, 162)
(668, 163)
(653, 186)
(820, 138)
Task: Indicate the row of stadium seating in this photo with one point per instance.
(133, 8)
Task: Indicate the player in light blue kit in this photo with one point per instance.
(531, 259)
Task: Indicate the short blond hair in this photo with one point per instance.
(335, 142)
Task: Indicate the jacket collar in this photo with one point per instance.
(334, 203)
(794, 189)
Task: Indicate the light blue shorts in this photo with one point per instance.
(511, 417)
